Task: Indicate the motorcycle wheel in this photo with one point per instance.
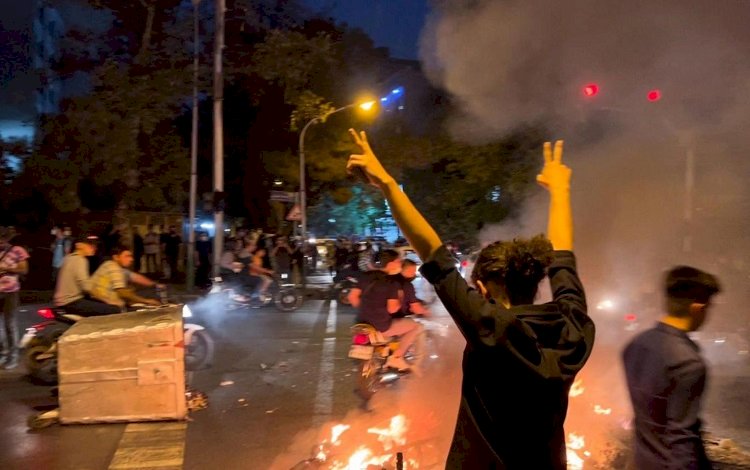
(288, 300)
(43, 370)
(200, 352)
(367, 379)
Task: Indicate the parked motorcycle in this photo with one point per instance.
(40, 343)
(372, 350)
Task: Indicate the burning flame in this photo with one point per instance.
(577, 388)
(602, 411)
(575, 442)
(394, 434)
(336, 432)
(364, 457)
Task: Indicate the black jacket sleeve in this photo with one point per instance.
(486, 324)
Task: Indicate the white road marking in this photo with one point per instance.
(324, 393)
(157, 446)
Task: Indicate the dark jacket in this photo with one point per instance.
(666, 378)
(518, 367)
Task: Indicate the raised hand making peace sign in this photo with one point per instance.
(367, 161)
(554, 175)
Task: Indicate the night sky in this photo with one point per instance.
(395, 24)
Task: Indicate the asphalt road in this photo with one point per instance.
(281, 381)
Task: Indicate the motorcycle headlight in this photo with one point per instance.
(284, 276)
(186, 312)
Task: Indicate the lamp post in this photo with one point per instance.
(190, 282)
(218, 136)
(366, 106)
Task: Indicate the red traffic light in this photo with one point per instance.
(591, 89)
(654, 95)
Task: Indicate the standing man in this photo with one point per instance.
(13, 261)
(138, 248)
(61, 247)
(521, 359)
(203, 250)
(666, 377)
(151, 249)
(172, 244)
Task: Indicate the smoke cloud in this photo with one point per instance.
(511, 63)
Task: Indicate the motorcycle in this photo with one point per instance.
(341, 288)
(283, 293)
(40, 343)
(372, 349)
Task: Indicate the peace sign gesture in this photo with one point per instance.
(367, 161)
(555, 175)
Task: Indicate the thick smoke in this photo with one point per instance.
(508, 63)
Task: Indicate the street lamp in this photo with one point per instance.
(365, 106)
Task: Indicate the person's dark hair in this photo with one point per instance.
(518, 266)
(119, 249)
(685, 285)
(408, 262)
(387, 256)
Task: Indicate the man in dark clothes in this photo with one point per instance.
(666, 377)
(520, 359)
(378, 296)
(138, 248)
(172, 250)
(203, 250)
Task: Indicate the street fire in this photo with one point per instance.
(364, 457)
(394, 434)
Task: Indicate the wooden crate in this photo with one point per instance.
(125, 367)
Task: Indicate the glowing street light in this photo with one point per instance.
(364, 106)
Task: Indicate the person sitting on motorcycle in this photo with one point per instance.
(110, 282)
(410, 304)
(73, 286)
(378, 296)
(259, 271)
(233, 271)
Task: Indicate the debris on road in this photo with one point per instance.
(225, 383)
(196, 400)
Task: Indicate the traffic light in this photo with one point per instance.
(591, 90)
(654, 95)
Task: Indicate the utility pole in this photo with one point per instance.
(218, 137)
(190, 282)
(687, 241)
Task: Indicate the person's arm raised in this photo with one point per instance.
(555, 178)
(421, 236)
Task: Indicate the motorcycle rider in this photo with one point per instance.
(110, 282)
(257, 270)
(410, 304)
(378, 296)
(73, 287)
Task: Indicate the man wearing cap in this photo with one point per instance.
(13, 261)
(73, 288)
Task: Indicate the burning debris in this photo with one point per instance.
(327, 454)
(196, 400)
